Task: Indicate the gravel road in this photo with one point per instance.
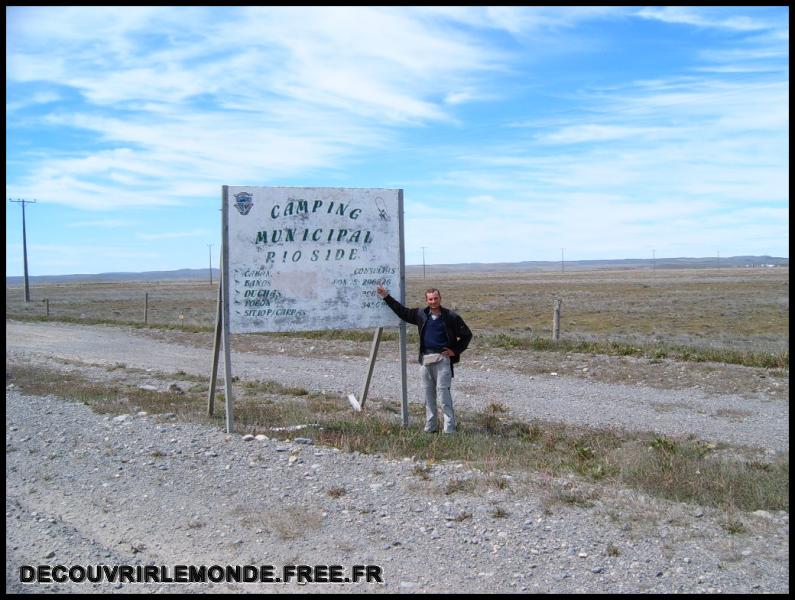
(87, 489)
(754, 419)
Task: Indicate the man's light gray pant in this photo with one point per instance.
(436, 380)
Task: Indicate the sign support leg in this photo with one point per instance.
(403, 382)
(216, 352)
(359, 405)
(229, 401)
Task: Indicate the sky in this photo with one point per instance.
(516, 133)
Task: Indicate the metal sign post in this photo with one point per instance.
(228, 399)
(404, 402)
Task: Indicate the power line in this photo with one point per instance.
(210, 246)
(24, 243)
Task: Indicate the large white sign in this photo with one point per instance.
(310, 258)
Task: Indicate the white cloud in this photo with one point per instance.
(483, 199)
(599, 133)
(50, 258)
(364, 60)
(680, 163)
(173, 235)
(252, 94)
(596, 228)
(99, 223)
(703, 17)
(521, 19)
(45, 97)
(188, 156)
(458, 97)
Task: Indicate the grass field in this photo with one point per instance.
(728, 310)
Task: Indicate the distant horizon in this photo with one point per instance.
(646, 261)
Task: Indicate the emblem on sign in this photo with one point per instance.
(244, 202)
(379, 204)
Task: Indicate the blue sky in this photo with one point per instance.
(515, 131)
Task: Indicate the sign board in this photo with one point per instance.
(304, 259)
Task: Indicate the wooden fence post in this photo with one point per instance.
(146, 308)
(47, 307)
(556, 320)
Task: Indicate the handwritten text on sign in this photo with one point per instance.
(310, 258)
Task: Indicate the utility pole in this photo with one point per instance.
(210, 246)
(423, 261)
(24, 243)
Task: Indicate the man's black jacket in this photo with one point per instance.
(458, 333)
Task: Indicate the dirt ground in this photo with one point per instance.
(84, 488)
(717, 378)
(736, 404)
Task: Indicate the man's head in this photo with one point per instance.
(434, 298)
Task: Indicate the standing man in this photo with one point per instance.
(443, 337)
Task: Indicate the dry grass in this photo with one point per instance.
(732, 314)
(336, 492)
(678, 306)
(685, 470)
(121, 302)
(292, 523)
